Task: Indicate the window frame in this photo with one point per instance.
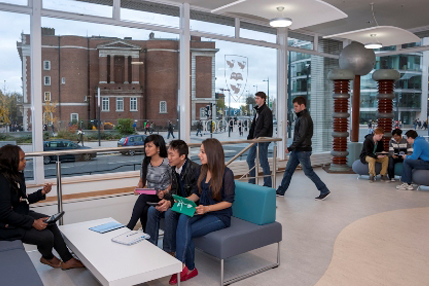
(77, 117)
(133, 100)
(118, 100)
(161, 107)
(44, 65)
(105, 100)
(47, 77)
(45, 96)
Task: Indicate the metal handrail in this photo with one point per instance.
(121, 149)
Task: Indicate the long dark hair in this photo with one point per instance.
(216, 166)
(158, 141)
(9, 163)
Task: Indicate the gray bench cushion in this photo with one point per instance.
(241, 237)
(421, 177)
(16, 268)
(362, 169)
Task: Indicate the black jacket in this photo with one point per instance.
(188, 178)
(14, 218)
(368, 148)
(303, 132)
(263, 125)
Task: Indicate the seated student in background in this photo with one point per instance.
(184, 180)
(398, 146)
(216, 192)
(419, 160)
(372, 145)
(18, 222)
(155, 174)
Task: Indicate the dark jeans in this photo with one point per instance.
(295, 158)
(263, 159)
(391, 167)
(190, 227)
(152, 227)
(47, 239)
(199, 131)
(140, 211)
(168, 135)
(409, 165)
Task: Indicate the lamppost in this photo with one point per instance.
(256, 88)
(99, 117)
(268, 91)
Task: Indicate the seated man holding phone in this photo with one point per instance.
(398, 146)
(184, 180)
(372, 152)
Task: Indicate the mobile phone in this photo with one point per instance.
(152, 203)
(55, 217)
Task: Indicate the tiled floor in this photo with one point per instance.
(364, 234)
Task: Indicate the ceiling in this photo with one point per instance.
(406, 14)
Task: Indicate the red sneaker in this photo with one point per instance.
(191, 274)
(173, 279)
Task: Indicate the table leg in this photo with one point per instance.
(178, 279)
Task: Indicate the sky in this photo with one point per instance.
(261, 61)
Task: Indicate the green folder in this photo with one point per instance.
(184, 206)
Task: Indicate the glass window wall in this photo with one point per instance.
(81, 7)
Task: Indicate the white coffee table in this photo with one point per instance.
(115, 264)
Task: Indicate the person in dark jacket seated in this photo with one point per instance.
(184, 179)
(18, 222)
(372, 152)
(300, 151)
(419, 160)
(215, 191)
(262, 126)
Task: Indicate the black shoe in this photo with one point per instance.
(278, 195)
(322, 197)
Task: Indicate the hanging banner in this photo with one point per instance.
(236, 70)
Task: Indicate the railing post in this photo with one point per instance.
(257, 164)
(59, 189)
(274, 164)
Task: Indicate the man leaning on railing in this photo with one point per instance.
(262, 126)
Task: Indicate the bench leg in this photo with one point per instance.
(222, 267)
(250, 274)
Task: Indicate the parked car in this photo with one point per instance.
(64, 145)
(131, 140)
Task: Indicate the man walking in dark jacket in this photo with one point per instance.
(262, 126)
(300, 151)
(184, 179)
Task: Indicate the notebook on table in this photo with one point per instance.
(131, 237)
(106, 227)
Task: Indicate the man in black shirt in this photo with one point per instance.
(262, 126)
(184, 180)
(300, 151)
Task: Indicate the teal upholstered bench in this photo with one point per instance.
(253, 226)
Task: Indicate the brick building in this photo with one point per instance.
(138, 79)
